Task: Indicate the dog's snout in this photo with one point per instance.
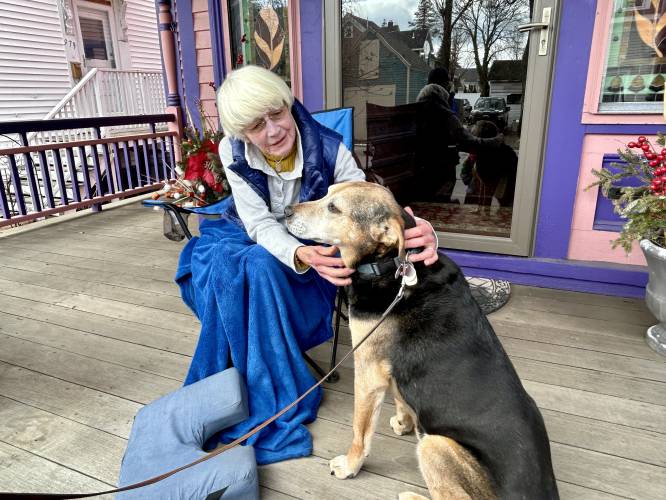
(289, 211)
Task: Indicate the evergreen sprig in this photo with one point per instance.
(643, 207)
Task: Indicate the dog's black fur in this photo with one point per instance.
(453, 372)
(493, 166)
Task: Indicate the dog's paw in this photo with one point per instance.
(341, 468)
(408, 495)
(400, 427)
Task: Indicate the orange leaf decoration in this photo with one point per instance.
(271, 19)
(651, 26)
(269, 37)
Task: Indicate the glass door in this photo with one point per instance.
(450, 105)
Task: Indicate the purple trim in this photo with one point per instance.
(312, 66)
(4, 205)
(217, 41)
(608, 279)
(625, 129)
(605, 218)
(565, 132)
(188, 56)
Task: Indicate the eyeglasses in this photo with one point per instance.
(274, 116)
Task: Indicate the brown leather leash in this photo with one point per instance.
(405, 270)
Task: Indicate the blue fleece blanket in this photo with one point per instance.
(261, 314)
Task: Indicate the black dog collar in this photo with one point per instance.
(384, 266)
(379, 268)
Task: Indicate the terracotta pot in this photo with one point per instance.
(655, 294)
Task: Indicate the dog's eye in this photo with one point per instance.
(333, 209)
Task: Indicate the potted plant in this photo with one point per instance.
(644, 209)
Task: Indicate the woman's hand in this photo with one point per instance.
(328, 266)
(421, 236)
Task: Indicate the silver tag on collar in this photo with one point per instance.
(408, 273)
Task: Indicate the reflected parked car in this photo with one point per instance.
(493, 109)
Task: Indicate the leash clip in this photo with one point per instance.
(408, 272)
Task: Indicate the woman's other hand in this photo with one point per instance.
(326, 263)
(422, 235)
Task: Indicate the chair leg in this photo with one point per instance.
(180, 219)
(341, 297)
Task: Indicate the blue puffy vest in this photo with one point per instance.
(320, 151)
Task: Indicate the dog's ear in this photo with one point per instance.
(390, 234)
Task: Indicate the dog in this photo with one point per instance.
(481, 436)
(494, 168)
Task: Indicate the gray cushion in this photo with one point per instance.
(171, 431)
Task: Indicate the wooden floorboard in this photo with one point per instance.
(92, 327)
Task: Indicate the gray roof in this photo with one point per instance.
(468, 75)
(506, 71)
(414, 39)
(395, 40)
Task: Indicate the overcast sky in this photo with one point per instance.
(398, 11)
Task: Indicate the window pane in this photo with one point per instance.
(94, 43)
(381, 64)
(633, 79)
(260, 35)
(453, 155)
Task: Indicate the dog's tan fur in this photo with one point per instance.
(449, 470)
(352, 201)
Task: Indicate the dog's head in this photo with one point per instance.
(360, 218)
(485, 129)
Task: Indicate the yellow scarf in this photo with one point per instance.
(285, 164)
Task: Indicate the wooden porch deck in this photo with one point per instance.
(92, 327)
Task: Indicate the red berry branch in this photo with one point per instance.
(656, 161)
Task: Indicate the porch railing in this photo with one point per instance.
(46, 179)
(112, 92)
(105, 92)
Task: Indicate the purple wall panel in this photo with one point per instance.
(312, 50)
(188, 55)
(565, 132)
(217, 41)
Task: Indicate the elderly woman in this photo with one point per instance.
(263, 296)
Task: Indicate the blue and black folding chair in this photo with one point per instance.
(340, 120)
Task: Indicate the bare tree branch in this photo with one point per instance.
(491, 25)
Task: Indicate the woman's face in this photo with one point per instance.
(274, 133)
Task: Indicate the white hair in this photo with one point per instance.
(433, 89)
(247, 94)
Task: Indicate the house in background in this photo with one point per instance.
(387, 66)
(419, 41)
(467, 81)
(78, 59)
(505, 80)
(47, 48)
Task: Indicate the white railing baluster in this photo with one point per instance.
(106, 92)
